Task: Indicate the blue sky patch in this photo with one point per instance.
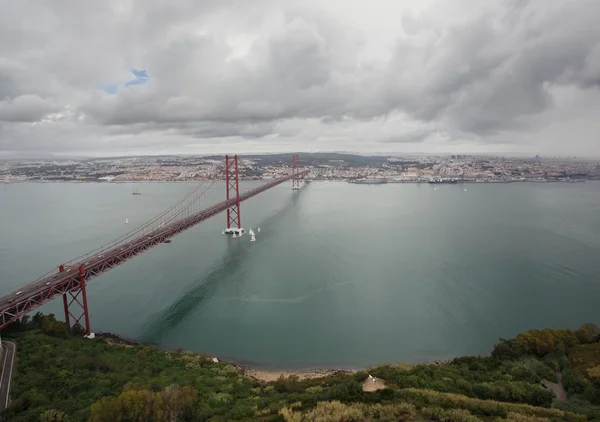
(140, 78)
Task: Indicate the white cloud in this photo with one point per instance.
(67, 114)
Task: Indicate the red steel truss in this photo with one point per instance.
(77, 298)
(295, 176)
(70, 281)
(232, 187)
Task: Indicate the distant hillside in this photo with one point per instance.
(314, 159)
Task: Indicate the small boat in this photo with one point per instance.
(127, 221)
(234, 236)
(258, 229)
(252, 238)
(251, 232)
(136, 192)
(167, 241)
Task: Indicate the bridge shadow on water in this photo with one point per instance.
(201, 292)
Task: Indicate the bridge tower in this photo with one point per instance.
(75, 303)
(295, 178)
(232, 187)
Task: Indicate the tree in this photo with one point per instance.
(588, 333)
(137, 403)
(54, 415)
(536, 343)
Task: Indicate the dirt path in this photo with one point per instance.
(556, 387)
(373, 384)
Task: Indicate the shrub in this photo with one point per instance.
(425, 398)
(588, 333)
(450, 415)
(361, 376)
(333, 412)
(433, 413)
(517, 417)
(287, 385)
(391, 412)
(574, 383)
(53, 415)
(579, 405)
(536, 343)
(289, 415)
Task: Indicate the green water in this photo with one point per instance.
(341, 275)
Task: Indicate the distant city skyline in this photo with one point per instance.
(323, 166)
(500, 77)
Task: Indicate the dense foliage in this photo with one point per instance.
(64, 377)
(479, 377)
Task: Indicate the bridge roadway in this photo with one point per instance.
(43, 290)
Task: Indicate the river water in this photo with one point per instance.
(341, 275)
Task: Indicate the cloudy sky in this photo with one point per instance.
(199, 76)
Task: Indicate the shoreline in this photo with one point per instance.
(264, 374)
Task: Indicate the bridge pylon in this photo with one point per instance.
(296, 177)
(232, 187)
(75, 303)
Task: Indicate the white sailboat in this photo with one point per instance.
(258, 229)
(252, 238)
(234, 236)
(251, 232)
(127, 221)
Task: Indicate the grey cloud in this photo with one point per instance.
(9, 71)
(414, 136)
(299, 58)
(474, 77)
(199, 130)
(487, 75)
(25, 108)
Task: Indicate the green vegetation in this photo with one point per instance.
(64, 377)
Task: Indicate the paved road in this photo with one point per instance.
(9, 349)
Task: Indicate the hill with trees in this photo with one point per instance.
(64, 377)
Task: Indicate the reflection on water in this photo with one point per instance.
(192, 299)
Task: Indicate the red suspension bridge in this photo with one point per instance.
(69, 279)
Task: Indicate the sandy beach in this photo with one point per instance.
(269, 376)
